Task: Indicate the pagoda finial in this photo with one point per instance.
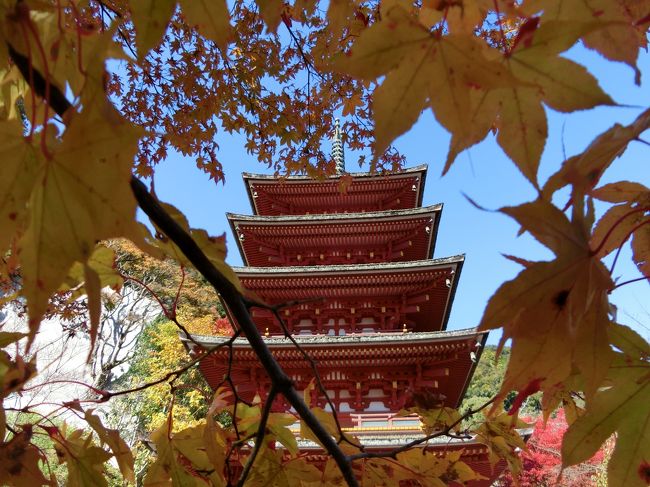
(337, 148)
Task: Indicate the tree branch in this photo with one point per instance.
(238, 307)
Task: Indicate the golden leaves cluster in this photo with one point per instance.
(430, 58)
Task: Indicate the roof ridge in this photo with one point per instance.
(459, 258)
(338, 216)
(414, 169)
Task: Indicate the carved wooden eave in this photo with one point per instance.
(416, 293)
(392, 362)
(271, 195)
(338, 238)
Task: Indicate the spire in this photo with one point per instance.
(337, 148)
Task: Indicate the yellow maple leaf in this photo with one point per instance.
(118, 446)
(499, 433)
(81, 196)
(622, 407)
(17, 175)
(85, 460)
(617, 37)
(584, 170)
(213, 247)
(150, 19)
(420, 68)
(210, 17)
(555, 312)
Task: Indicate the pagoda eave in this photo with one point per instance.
(442, 361)
(337, 238)
(414, 294)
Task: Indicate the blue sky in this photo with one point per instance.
(484, 173)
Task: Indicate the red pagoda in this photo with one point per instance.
(374, 303)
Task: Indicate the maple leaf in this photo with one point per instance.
(617, 224)
(616, 38)
(564, 85)
(584, 170)
(326, 419)
(213, 247)
(277, 426)
(17, 176)
(210, 17)
(118, 446)
(9, 337)
(641, 249)
(555, 312)
(101, 262)
(182, 458)
(272, 470)
(150, 19)
(84, 459)
(81, 196)
(271, 11)
(548, 78)
(628, 341)
(622, 407)
(499, 433)
(622, 192)
(429, 470)
(419, 67)
(19, 461)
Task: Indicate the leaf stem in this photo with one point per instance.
(597, 250)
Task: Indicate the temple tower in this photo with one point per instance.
(373, 303)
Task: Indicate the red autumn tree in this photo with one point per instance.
(542, 462)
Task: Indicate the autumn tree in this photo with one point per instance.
(542, 460)
(76, 132)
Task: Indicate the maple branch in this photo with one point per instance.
(233, 298)
(106, 395)
(49, 92)
(259, 436)
(642, 278)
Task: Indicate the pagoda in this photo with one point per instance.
(372, 304)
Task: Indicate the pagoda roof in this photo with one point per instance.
(407, 234)
(274, 195)
(393, 340)
(433, 280)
